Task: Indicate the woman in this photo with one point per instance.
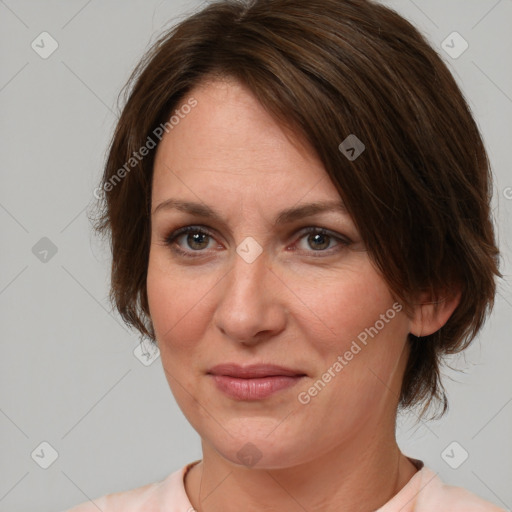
(297, 198)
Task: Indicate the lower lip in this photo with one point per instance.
(253, 389)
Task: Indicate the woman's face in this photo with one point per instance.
(253, 286)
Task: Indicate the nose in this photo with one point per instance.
(251, 308)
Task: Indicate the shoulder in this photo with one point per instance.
(126, 501)
(156, 497)
(436, 495)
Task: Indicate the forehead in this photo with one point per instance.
(228, 140)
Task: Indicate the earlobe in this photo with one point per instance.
(430, 315)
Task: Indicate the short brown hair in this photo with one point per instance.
(419, 194)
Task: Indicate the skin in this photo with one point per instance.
(300, 304)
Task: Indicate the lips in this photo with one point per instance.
(254, 371)
(253, 382)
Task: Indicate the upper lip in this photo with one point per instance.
(253, 371)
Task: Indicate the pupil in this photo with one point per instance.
(319, 237)
(196, 239)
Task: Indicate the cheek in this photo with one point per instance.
(363, 325)
(177, 305)
(342, 305)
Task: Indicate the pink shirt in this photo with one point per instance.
(424, 492)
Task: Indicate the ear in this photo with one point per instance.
(431, 313)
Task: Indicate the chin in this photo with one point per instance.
(262, 451)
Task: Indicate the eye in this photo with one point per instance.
(196, 239)
(193, 241)
(321, 240)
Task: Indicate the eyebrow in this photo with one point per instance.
(285, 216)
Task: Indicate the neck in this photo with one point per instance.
(348, 478)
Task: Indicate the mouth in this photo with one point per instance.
(254, 371)
(254, 382)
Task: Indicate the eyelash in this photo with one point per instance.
(170, 239)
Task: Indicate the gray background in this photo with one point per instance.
(69, 375)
